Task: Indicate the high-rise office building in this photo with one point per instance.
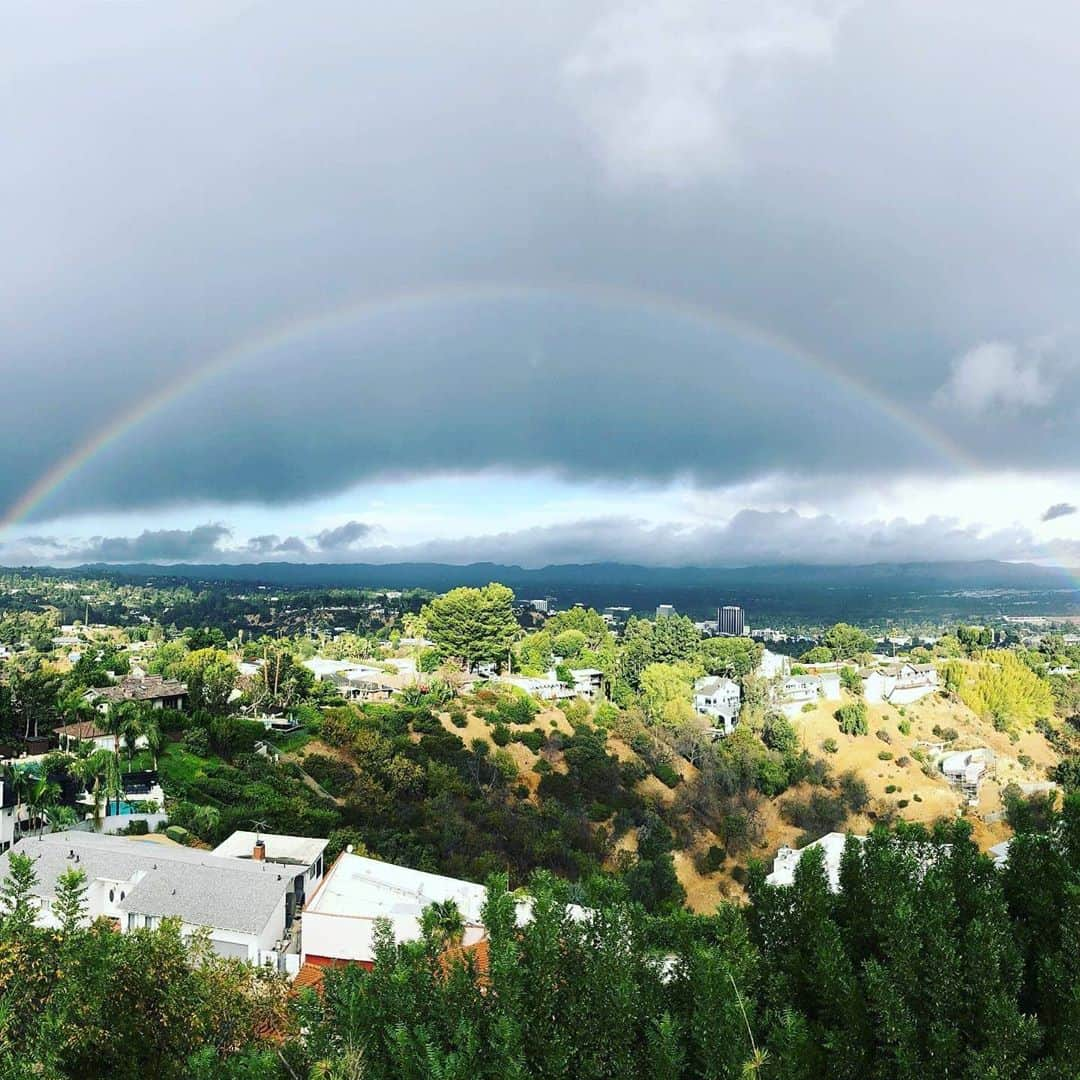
(730, 621)
(665, 611)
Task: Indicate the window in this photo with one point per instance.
(112, 895)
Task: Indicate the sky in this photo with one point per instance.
(673, 283)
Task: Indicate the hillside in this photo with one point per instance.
(898, 787)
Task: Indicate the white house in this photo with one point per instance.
(900, 684)
(966, 770)
(787, 859)
(356, 682)
(300, 856)
(339, 919)
(137, 883)
(588, 682)
(719, 699)
(70, 736)
(8, 810)
(799, 690)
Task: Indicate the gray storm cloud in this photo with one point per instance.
(748, 538)
(1059, 510)
(858, 179)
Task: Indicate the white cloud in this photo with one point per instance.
(658, 85)
(1003, 375)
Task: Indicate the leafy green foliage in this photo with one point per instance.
(472, 625)
(853, 718)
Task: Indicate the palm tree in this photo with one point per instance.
(151, 731)
(43, 796)
(92, 770)
(443, 920)
(131, 728)
(205, 819)
(117, 720)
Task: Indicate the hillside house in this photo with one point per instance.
(799, 690)
(301, 856)
(966, 770)
(339, 919)
(787, 859)
(899, 684)
(154, 690)
(137, 883)
(70, 736)
(720, 700)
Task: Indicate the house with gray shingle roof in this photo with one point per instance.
(135, 883)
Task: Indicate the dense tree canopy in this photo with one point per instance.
(473, 625)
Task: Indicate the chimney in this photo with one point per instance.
(259, 851)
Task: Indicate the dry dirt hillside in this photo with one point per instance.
(898, 783)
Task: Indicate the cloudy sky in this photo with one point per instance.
(674, 282)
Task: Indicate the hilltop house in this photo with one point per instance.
(719, 699)
(588, 683)
(137, 883)
(155, 690)
(799, 690)
(899, 684)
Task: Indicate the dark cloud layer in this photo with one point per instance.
(343, 536)
(749, 538)
(1058, 510)
(888, 186)
(165, 545)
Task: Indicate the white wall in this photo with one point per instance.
(352, 937)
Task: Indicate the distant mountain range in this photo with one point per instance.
(905, 577)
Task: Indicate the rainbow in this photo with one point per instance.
(296, 328)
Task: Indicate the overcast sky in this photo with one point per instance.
(685, 281)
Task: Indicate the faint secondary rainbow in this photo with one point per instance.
(297, 328)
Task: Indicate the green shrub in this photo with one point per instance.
(534, 740)
(902, 803)
(500, 735)
(543, 767)
(853, 718)
(709, 861)
(665, 773)
(810, 706)
(830, 745)
(905, 727)
(178, 834)
(884, 755)
(917, 797)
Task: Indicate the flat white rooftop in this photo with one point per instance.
(298, 850)
(367, 888)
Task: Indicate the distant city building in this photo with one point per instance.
(540, 605)
(665, 611)
(616, 616)
(731, 621)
